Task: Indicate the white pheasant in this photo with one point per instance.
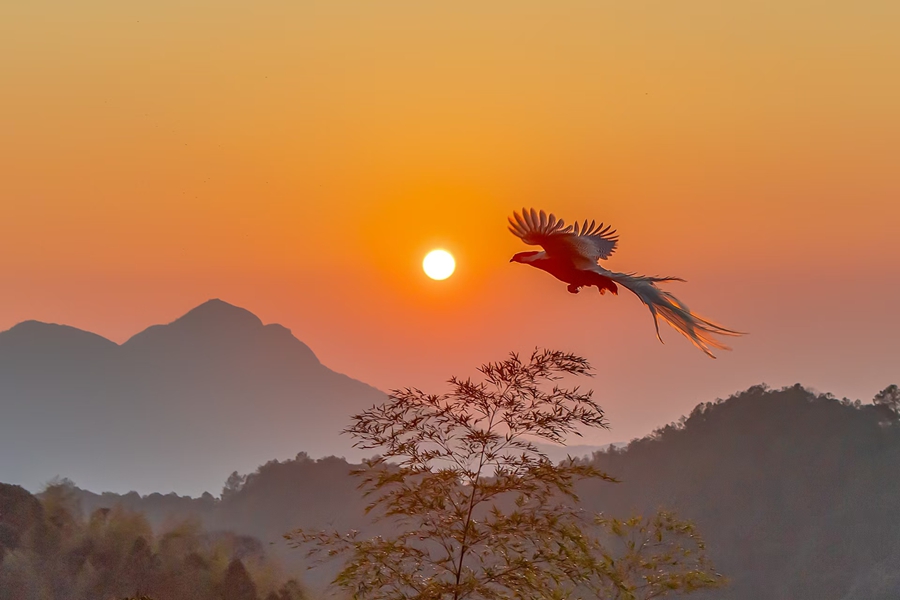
(571, 254)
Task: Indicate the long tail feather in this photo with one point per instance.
(661, 303)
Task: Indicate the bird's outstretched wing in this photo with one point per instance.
(582, 243)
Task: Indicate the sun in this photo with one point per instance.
(439, 264)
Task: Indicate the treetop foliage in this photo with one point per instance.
(478, 511)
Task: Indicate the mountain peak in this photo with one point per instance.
(211, 321)
(218, 312)
(37, 334)
(217, 328)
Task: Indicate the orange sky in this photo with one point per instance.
(299, 158)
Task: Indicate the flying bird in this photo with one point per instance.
(571, 253)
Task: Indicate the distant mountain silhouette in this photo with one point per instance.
(176, 407)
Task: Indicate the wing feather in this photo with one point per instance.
(584, 244)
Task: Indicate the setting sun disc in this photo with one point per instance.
(439, 264)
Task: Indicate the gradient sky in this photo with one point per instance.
(299, 158)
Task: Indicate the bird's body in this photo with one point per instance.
(571, 254)
(565, 271)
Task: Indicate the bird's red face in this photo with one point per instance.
(521, 257)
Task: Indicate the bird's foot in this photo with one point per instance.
(574, 289)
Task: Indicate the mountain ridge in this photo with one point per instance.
(32, 328)
(214, 383)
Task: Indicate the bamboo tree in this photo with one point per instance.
(470, 506)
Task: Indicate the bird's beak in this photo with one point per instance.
(513, 259)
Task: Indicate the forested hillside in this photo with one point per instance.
(796, 494)
(50, 550)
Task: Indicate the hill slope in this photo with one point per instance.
(796, 493)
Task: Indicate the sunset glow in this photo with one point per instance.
(300, 161)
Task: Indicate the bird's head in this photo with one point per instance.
(524, 257)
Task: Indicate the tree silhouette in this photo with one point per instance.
(237, 584)
(475, 509)
(233, 484)
(889, 397)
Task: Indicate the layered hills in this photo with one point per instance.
(795, 493)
